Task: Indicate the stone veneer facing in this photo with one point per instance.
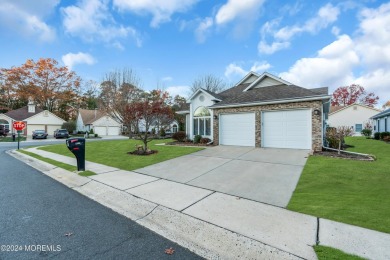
(316, 119)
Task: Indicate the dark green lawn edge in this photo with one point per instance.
(9, 139)
(58, 164)
(328, 253)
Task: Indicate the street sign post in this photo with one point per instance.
(19, 126)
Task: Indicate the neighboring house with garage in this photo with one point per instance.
(34, 117)
(99, 121)
(260, 111)
(382, 121)
(355, 116)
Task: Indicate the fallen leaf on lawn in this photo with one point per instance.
(169, 251)
(68, 234)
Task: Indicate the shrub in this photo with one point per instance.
(205, 140)
(153, 131)
(179, 136)
(70, 126)
(197, 139)
(386, 138)
(384, 134)
(96, 135)
(377, 135)
(366, 132)
(331, 138)
(91, 131)
(162, 132)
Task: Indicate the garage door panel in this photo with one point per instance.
(287, 129)
(237, 129)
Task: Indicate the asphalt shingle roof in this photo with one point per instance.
(22, 113)
(383, 113)
(236, 95)
(90, 116)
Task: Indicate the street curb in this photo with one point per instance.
(205, 239)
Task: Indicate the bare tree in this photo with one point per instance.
(209, 82)
(338, 134)
(118, 89)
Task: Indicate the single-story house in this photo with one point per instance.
(173, 127)
(355, 116)
(101, 123)
(382, 122)
(34, 117)
(260, 111)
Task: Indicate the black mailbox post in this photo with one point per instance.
(77, 147)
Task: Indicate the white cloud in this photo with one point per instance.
(162, 10)
(234, 71)
(25, 18)
(167, 78)
(237, 9)
(72, 59)
(178, 90)
(363, 59)
(326, 15)
(91, 20)
(203, 29)
(266, 48)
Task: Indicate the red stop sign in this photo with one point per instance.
(19, 125)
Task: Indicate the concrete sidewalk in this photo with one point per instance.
(213, 224)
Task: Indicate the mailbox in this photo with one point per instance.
(77, 147)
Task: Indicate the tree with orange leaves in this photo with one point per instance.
(51, 86)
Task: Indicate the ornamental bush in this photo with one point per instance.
(197, 139)
(179, 136)
(366, 132)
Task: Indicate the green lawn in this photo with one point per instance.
(58, 164)
(114, 153)
(328, 253)
(9, 139)
(353, 192)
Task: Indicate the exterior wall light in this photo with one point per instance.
(317, 112)
(216, 117)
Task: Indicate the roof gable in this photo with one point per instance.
(249, 78)
(338, 109)
(266, 80)
(213, 95)
(22, 113)
(90, 116)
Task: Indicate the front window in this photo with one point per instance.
(358, 128)
(202, 121)
(4, 123)
(174, 128)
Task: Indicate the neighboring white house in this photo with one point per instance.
(382, 121)
(101, 123)
(355, 116)
(173, 127)
(34, 117)
(260, 111)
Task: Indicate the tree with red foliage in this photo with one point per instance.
(348, 95)
(151, 109)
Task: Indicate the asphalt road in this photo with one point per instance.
(38, 213)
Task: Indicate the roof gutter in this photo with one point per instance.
(277, 101)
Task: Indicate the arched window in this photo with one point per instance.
(5, 123)
(174, 129)
(202, 121)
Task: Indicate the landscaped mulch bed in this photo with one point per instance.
(343, 155)
(187, 144)
(142, 152)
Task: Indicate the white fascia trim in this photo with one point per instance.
(277, 101)
(204, 92)
(183, 112)
(8, 117)
(43, 112)
(247, 77)
(266, 74)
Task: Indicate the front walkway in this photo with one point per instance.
(183, 213)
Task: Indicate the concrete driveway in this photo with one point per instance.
(261, 174)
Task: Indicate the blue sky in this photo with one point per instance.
(169, 43)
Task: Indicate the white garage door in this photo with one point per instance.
(237, 129)
(287, 129)
(52, 128)
(31, 128)
(113, 130)
(100, 130)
